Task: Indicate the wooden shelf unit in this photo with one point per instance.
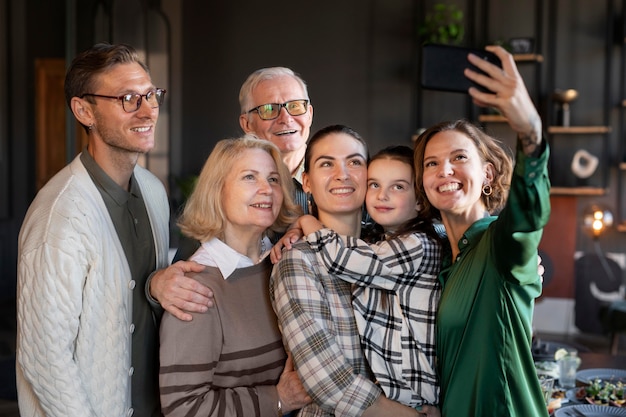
(528, 57)
(579, 191)
(492, 118)
(578, 130)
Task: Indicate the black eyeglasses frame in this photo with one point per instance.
(158, 92)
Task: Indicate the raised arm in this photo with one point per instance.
(509, 95)
(530, 190)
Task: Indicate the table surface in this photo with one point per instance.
(590, 360)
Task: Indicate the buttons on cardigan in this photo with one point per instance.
(130, 412)
(131, 371)
(132, 284)
(132, 328)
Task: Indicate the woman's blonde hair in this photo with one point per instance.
(489, 149)
(203, 217)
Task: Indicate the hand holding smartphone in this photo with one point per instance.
(443, 66)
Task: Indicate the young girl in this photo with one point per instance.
(397, 290)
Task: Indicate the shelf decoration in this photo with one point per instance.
(564, 98)
(584, 164)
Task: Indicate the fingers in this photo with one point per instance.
(286, 243)
(276, 251)
(507, 60)
(188, 266)
(496, 79)
(179, 314)
(275, 255)
(290, 389)
(179, 294)
(429, 410)
(508, 92)
(289, 363)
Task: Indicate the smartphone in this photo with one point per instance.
(443, 65)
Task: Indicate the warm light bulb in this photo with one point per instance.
(596, 220)
(597, 224)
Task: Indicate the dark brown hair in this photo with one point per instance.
(374, 232)
(318, 136)
(88, 65)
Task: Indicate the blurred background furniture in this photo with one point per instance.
(613, 319)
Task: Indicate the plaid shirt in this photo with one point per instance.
(317, 322)
(395, 302)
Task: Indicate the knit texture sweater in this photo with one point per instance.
(227, 361)
(74, 298)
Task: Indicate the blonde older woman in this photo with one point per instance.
(230, 361)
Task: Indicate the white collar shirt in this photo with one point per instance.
(218, 254)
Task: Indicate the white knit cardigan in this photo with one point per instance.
(74, 298)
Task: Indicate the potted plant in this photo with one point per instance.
(443, 24)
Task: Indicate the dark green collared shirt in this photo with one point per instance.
(129, 215)
(484, 322)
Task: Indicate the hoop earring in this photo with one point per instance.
(487, 190)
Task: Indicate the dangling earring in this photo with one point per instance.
(309, 202)
(487, 190)
(90, 127)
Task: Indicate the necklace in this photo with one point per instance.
(262, 248)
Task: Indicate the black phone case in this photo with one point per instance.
(443, 65)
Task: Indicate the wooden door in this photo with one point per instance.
(50, 108)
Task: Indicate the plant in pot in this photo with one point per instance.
(443, 24)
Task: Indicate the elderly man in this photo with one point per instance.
(275, 106)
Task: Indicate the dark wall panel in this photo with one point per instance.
(356, 57)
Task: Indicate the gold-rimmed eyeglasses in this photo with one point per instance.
(131, 102)
(270, 111)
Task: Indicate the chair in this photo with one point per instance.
(614, 322)
(598, 283)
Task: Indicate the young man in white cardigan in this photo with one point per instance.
(87, 340)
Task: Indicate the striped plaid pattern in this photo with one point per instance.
(395, 302)
(317, 322)
(300, 197)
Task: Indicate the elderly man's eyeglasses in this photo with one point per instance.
(270, 111)
(131, 102)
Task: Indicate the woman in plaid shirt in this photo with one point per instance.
(314, 306)
(396, 289)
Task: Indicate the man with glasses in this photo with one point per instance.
(87, 341)
(275, 106)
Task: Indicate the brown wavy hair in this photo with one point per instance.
(490, 150)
